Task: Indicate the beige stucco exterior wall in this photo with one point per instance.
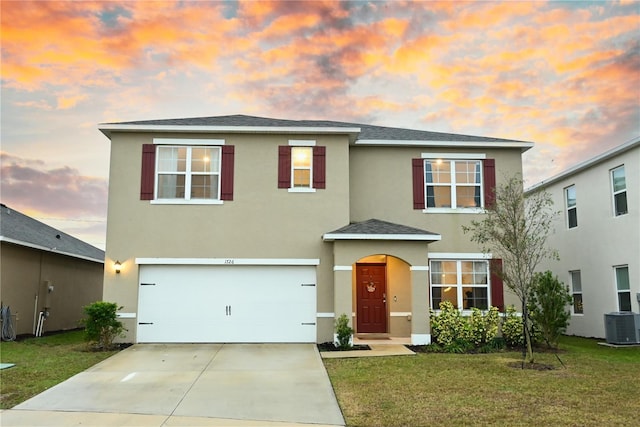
(600, 242)
(261, 222)
(381, 188)
(26, 274)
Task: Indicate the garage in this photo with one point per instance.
(226, 303)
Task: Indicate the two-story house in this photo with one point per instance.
(597, 236)
(249, 229)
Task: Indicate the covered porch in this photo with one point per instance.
(381, 281)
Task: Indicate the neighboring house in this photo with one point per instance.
(45, 270)
(249, 229)
(597, 235)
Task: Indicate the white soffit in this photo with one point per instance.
(108, 128)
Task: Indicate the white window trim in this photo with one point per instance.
(187, 182)
(618, 291)
(614, 193)
(188, 141)
(453, 185)
(454, 156)
(302, 142)
(567, 208)
(459, 286)
(573, 292)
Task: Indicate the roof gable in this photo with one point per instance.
(23, 230)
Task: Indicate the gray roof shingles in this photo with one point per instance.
(368, 132)
(376, 226)
(25, 230)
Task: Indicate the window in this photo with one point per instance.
(301, 166)
(179, 173)
(188, 173)
(576, 290)
(619, 187)
(622, 285)
(454, 181)
(572, 209)
(463, 283)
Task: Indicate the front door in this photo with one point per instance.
(371, 291)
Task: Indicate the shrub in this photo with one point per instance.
(483, 327)
(548, 303)
(343, 332)
(449, 325)
(512, 328)
(101, 324)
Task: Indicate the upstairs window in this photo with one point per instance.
(301, 166)
(186, 173)
(461, 182)
(576, 291)
(571, 204)
(619, 188)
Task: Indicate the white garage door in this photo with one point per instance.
(227, 303)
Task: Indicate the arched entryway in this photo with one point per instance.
(382, 296)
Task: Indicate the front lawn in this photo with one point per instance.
(42, 363)
(600, 386)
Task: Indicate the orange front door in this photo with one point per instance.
(371, 291)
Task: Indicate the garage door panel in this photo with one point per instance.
(227, 304)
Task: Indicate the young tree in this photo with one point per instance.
(548, 307)
(515, 229)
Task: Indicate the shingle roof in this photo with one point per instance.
(23, 230)
(375, 229)
(367, 132)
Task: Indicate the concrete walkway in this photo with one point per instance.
(191, 385)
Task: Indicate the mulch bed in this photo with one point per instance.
(328, 346)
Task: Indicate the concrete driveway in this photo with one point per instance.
(191, 385)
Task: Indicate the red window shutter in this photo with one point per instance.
(489, 173)
(418, 183)
(148, 171)
(497, 288)
(284, 166)
(319, 167)
(226, 176)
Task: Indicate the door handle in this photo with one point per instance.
(384, 298)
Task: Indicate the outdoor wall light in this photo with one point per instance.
(117, 266)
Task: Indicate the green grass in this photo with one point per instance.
(42, 363)
(600, 386)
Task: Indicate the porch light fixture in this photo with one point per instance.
(117, 266)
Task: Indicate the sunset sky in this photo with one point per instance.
(564, 75)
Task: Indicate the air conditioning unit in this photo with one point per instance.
(622, 327)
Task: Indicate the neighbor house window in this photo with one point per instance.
(463, 283)
(619, 187)
(188, 173)
(576, 291)
(572, 208)
(301, 166)
(623, 288)
(449, 182)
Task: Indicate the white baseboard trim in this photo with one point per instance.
(420, 339)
